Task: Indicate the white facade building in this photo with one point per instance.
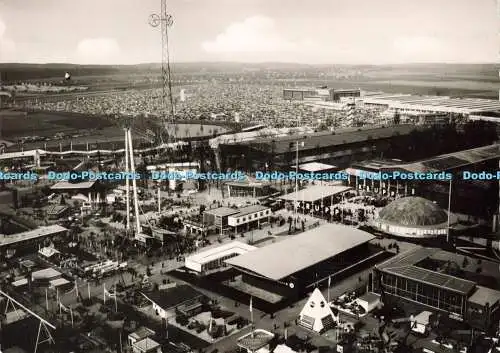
(250, 214)
(215, 258)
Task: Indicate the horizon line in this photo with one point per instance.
(257, 63)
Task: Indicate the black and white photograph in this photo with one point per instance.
(249, 176)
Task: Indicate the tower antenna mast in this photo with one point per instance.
(165, 20)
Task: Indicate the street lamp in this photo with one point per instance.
(449, 211)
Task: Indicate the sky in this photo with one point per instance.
(292, 31)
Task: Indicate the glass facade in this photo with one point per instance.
(217, 263)
(437, 297)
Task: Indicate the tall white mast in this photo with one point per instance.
(134, 183)
(127, 181)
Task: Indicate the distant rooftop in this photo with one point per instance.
(443, 103)
(451, 160)
(142, 333)
(243, 211)
(219, 251)
(324, 139)
(315, 193)
(48, 273)
(483, 296)
(31, 234)
(316, 167)
(222, 211)
(66, 185)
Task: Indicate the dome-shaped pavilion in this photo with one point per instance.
(414, 217)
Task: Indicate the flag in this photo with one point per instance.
(250, 307)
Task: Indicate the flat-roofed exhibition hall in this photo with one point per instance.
(445, 282)
(299, 262)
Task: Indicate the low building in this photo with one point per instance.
(342, 94)
(57, 211)
(163, 236)
(146, 345)
(166, 302)
(140, 334)
(32, 237)
(60, 283)
(49, 253)
(249, 217)
(90, 190)
(194, 225)
(316, 199)
(369, 301)
(483, 307)
(249, 188)
(46, 275)
(213, 259)
(256, 341)
(305, 93)
(217, 218)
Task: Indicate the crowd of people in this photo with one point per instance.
(249, 103)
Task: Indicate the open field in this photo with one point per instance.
(80, 129)
(47, 124)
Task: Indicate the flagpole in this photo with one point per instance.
(104, 293)
(88, 289)
(342, 208)
(251, 309)
(46, 299)
(251, 313)
(166, 325)
(449, 211)
(329, 284)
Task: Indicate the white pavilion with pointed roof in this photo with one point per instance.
(317, 314)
